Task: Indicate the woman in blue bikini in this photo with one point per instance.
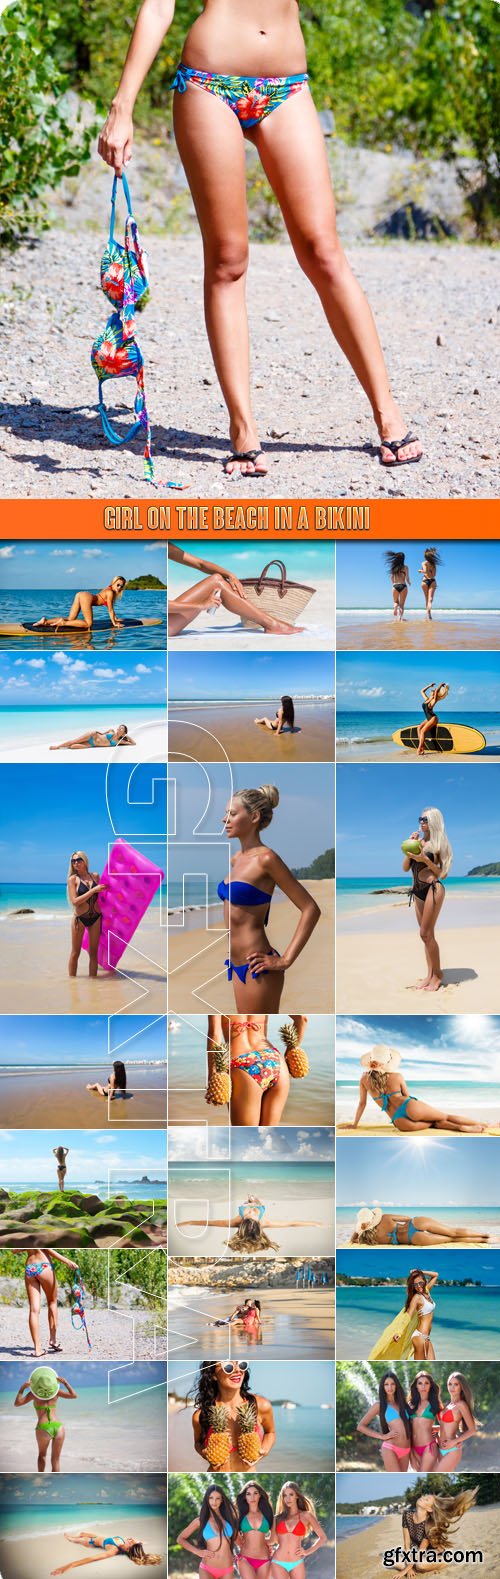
(389, 1091)
(93, 739)
(295, 1520)
(216, 1525)
(375, 1227)
(254, 967)
(243, 74)
(108, 1546)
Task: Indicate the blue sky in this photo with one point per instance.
(27, 1154)
(309, 1384)
(285, 1144)
(50, 1038)
(114, 680)
(82, 565)
(308, 563)
(301, 828)
(387, 682)
(47, 814)
(66, 1491)
(416, 1172)
(268, 675)
(468, 577)
(454, 1263)
(459, 1047)
(83, 1375)
(369, 1488)
(377, 807)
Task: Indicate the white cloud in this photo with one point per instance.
(106, 674)
(130, 679)
(35, 663)
(70, 665)
(6, 553)
(142, 668)
(29, 551)
(372, 690)
(6, 1134)
(92, 553)
(63, 553)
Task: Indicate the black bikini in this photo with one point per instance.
(87, 917)
(420, 890)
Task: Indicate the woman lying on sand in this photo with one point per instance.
(117, 736)
(60, 1153)
(251, 1223)
(83, 889)
(47, 1429)
(260, 1081)
(84, 604)
(108, 1546)
(40, 1278)
(220, 589)
(429, 866)
(428, 1527)
(256, 970)
(227, 1413)
(375, 1227)
(284, 720)
(408, 1335)
(117, 1083)
(390, 1093)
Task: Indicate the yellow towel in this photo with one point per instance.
(395, 1342)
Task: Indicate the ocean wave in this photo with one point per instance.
(362, 740)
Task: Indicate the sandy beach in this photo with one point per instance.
(377, 973)
(114, 1335)
(387, 751)
(222, 631)
(150, 738)
(387, 1129)
(232, 724)
(198, 977)
(299, 1241)
(34, 971)
(59, 1096)
(477, 633)
(20, 1558)
(361, 1556)
(295, 1325)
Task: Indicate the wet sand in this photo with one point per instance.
(198, 978)
(376, 974)
(356, 634)
(38, 1553)
(361, 1556)
(387, 751)
(232, 724)
(295, 1325)
(59, 1096)
(34, 971)
(114, 1335)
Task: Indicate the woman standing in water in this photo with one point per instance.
(428, 568)
(428, 869)
(243, 74)
(83, 890)
(257, 970)
(400, 580)
(60, 1153)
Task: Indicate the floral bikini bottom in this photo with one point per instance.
(264, 1067)
(251, 98)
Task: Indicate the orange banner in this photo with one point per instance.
(237, 519)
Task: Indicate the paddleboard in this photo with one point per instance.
(445, 738)
(28, 628)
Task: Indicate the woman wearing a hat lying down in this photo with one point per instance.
(375, 1227)
(390, 1092)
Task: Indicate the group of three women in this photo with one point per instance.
(247, 1537)
(418, 1431)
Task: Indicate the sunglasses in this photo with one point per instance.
(77, 860)
(423, 819)
(234, 1365)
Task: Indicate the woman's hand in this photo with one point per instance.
(116, 139)
(233, 583)
(260, 962)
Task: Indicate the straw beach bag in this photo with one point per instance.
(284, 599)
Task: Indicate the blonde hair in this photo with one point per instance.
(264, 800)
(442, 691)
(304, 1504)
(438, 838)
(446, 1512)
(120, 595)
(71, 872)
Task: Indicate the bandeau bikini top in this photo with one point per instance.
(246, 1527)
(209, 1534)
(282, 1528)
(245, 894)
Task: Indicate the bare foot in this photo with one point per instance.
(421, 985)
(434, 984)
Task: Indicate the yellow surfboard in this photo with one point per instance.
(444, 739)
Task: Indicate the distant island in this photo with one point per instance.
(146, 584)
(322, 866)
(345, 1281)
(492, 869)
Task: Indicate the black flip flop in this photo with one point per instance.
(245, 455)
(396, 445)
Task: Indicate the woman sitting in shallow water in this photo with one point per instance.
(117, 1083)
(285, 718)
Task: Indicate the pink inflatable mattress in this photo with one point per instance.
(132, 880)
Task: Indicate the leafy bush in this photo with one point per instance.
(38, 147)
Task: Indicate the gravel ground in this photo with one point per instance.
(437, 307)
(111, 1335)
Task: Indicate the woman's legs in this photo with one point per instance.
(393, 1464)
(215, 589)
(274, 1100)
(77, 932)
(292, 149)
(94, 937)
(426, 728)
(423, 1116)
(57, 1447)
(429, 597)
(97, 1087)
(212, 150)
(82, 604)
(262, 994)
(428, 911)
(431, 1225)
(34, 1302)
(246, 1099)
(268, 722)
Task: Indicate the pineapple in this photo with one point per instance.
(296, 1058)
(219, 1085)
(218, 1444)
(248, 1439)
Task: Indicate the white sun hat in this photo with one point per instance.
(385, 1057)
(368, 1217)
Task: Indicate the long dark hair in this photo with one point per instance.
(120, 1074)
(226, 1514)
(61, 1154)
(288, 711)
(395, 560)
(207, 1393)
(264, 1504)
(410, 1285)
(434, 1400)
(399, 1402)
(432, 555)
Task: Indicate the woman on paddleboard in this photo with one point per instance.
(84, 604)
